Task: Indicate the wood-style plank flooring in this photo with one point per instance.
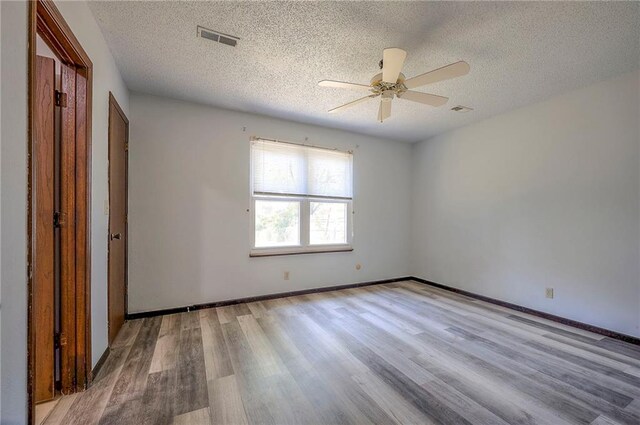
(401, 353)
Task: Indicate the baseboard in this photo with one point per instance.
(214, 304)
(516, 307)
(101, 361)
(559, 319)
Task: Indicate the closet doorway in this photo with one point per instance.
(59, 349)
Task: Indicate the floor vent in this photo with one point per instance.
(227, 39)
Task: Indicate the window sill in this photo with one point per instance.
(319, 250)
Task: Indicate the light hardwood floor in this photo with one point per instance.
(401, 353)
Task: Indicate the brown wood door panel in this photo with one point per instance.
(118, 138)
(43, 266)
(67, 231)
(83, 345)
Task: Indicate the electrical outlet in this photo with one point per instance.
(549, 292)
(286, 275)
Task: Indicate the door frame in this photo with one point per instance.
(113, 102)
(46, 20)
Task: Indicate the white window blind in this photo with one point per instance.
(292, 170)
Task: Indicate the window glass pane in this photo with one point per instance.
(277, 223)
(328, 223)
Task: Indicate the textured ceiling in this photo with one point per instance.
(519, 53)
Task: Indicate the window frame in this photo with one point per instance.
(305, 218)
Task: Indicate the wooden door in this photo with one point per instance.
(118, 159)
(43, 264)
(67, 229)
(83, 235)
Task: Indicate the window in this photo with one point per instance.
(301, 197)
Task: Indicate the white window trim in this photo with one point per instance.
(304, 247)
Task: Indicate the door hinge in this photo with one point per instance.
(59, 340)
(61, 99)
(59, 219)
(126, 147)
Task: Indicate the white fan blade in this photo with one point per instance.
(350, 104)
(454, 70)
(392, 61)
(426, 98)
(385, 110)
(343, 85)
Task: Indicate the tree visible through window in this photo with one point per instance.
(277, 223)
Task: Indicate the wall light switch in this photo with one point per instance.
(549, 292)
(106, 207)
(286, 275)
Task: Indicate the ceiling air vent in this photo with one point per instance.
(460, 108)
(227, 39)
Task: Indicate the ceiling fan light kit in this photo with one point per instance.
(392, 83)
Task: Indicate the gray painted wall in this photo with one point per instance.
(0, 211)
(13, 185)
(544, 196)
(190, 232)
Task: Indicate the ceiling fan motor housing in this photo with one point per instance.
(378, 86)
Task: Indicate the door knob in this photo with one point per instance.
(115, 236)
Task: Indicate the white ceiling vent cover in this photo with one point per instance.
(218, 37)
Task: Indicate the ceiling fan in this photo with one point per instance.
(391, 83)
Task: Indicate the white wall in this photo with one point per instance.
(544, 196)
(13, 188)
(106, 77)
(13, 184)
(0, 207)
(190, 231)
